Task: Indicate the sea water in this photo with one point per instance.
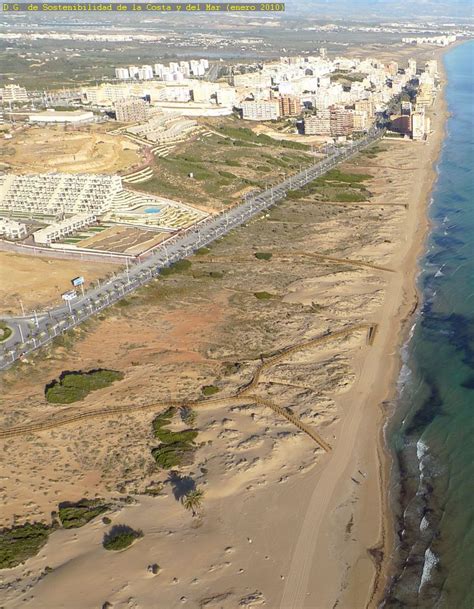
(432, 431)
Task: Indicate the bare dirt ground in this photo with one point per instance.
(39, 282)
(206, 326)
(85, 150)
(124, 239)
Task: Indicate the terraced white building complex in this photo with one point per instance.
(58, 230)
(58, 193)
(68, 203)
(164, 129)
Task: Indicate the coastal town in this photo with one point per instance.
(310, 101)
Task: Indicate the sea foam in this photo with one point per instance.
(431, 560)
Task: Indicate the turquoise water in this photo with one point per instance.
(152, 210)
(433, 428)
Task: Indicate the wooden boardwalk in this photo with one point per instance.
(245, 395)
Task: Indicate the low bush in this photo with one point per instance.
(177, 267)
(209, 390)
(263, 255)
(19, 543)
(75, 515)
(120, 537)
(5, 331)
(263, 295)
(177, 447)
(75, 386)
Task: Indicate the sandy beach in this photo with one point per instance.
(285, 523)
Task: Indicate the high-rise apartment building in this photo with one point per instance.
(411, 67)
(131, 110)
(318, 124)
(122, 73)
(342, 121)
(419, 125)
(289, 105)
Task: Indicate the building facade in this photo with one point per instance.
(131, 110)
(268, 110)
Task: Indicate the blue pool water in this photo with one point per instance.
(152, 210)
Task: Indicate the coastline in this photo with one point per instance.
(328, 566)
(377, 371)
(386, 545)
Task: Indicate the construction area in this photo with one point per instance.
(34, 149)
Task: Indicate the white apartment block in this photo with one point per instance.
(58, 193)
(12, 229)
(318, 124)
(268, 110)
(411, 70)
(62, 229)
(145, 73)
(164, 128)
(226, 96)
(420, 125)
(14, 93)
(131, 110)
(122, 73)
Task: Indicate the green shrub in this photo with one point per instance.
(263, 255)
(75, 515)
(168, 456)
(216, 274)
(170, 437)
(75, 386)
(120, 537)
(21, 542)
(209, 390)
(202, 251)
(263, 295)
(177, 267)
(177, 447)
(5, 331)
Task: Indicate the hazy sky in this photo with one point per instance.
(389, 8)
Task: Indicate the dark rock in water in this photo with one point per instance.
(469, 383)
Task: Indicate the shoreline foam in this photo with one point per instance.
(408, 326)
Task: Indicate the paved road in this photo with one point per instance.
(32, 332)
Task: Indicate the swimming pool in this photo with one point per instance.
(152, 210)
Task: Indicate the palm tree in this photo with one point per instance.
(193, 501)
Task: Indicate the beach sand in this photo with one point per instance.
(285, 524)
